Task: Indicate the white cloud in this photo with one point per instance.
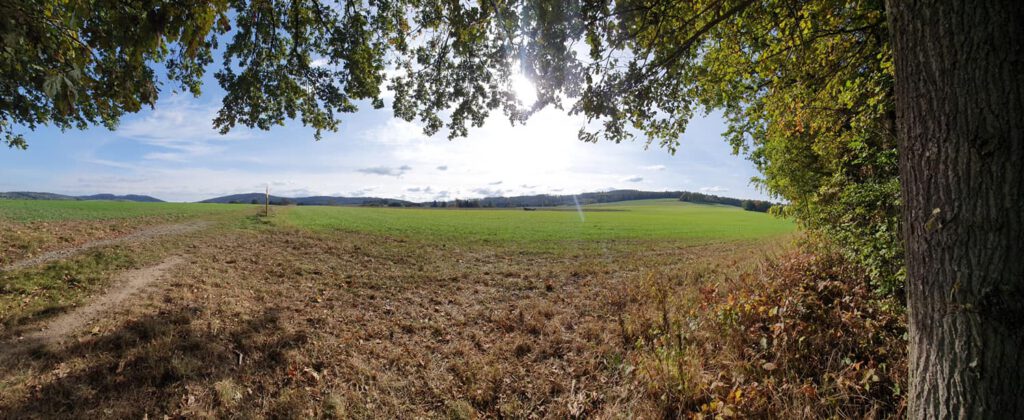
(425, 190)
(374, 149)
(395, 132)
(714, 189)
(166, 156)
(386, 170)
(545, 149)
(488, 192)
(362, 192)
(184, 129)
(495, 183)
(114, 164)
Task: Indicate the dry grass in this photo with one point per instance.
(272, 322)
(21, 240)
(800, 337)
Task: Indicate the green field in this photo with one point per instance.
(634, 220)
(56, 210)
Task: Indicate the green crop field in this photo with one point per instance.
(57, 210)
(634, 220)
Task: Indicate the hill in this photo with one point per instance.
(613, 196)
(29, 195)
(538, 200)
(258, 198)
(547, 200)
(128, 197)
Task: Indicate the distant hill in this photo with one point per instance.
(129, 197)
(545, 200)
(241, 198)
(28, 195)
(258, 198)
(540, 200)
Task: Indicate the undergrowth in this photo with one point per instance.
(801, 337)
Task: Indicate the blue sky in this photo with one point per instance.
(172, 153)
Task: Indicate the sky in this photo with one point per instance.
(173, 153)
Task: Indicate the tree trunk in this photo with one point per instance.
(960, 119)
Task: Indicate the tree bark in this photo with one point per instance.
(960, 122)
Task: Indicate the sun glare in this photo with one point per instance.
(524, 89)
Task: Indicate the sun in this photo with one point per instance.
(524, 89)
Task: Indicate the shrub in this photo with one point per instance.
(805, 337)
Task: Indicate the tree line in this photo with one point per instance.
(746, 204)
(548, 200)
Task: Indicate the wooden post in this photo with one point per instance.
(266, 204)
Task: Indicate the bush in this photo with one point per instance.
(806, 337)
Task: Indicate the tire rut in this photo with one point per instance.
(65, 326)
(135, 237)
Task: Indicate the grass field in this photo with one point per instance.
(635, 220)
(61, 210)
(347, 312)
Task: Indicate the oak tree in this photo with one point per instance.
(881, 124)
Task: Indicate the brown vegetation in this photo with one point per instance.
(265, 321)
(799, 337)
(23, 241)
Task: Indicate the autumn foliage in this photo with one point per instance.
(803, 336)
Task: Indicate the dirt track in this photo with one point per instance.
(142, 235)
(126, 285)
(59, 329)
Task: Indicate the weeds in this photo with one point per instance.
(803, 337)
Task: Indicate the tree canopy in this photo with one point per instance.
(805, 86)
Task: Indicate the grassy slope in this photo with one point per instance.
(636, 220)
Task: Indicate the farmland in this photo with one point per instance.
(28, 227)
(667, 220)
(63, 210)
(365, 312)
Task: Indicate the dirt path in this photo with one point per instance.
(135, 237)
(125, 285)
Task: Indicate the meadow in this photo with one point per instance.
(550, 228)
(70, 210)
(354, 312)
